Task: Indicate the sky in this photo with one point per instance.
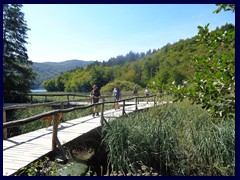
(61, 32)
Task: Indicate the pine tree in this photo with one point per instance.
(17, 75)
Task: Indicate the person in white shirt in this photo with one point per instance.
(147, 93)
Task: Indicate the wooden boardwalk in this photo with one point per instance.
(19, 151)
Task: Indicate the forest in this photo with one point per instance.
(157, 68)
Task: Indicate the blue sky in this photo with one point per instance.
(62, 32)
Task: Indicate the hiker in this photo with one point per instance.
(117, 96)
(95, 95)
(135, 91)
(147, 92)
(159, 95)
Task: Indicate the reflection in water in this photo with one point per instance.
(73, 168)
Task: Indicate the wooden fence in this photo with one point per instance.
(52, 94)
(55, 113)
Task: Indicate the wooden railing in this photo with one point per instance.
(55, 140)
(57, 94)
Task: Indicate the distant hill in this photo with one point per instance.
(48, 70)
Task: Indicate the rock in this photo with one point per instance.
(83, 154)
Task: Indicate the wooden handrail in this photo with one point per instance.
(38, 104)
(56, 112)
(55, 141)
(52, 94)
(46, 114)
(42, 115)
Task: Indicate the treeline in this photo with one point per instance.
(158, 68)
(48, 70)
(130, 57)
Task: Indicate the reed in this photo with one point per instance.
(175, 139)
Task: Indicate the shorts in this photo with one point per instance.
(116, 98)
(95, 100)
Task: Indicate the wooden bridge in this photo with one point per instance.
(21, 150)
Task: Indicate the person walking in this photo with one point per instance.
(117, 96)
(159, 95)
(135, 91)
(95, 96)
(147, 93)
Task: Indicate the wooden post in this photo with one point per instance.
(136, 104)
(64, 156)
(62, 105)
(31, 98)
(5, 129)
(54, 133)
(102, 112)
(123, 111)
(155, 103)
(45, 98)
(102, 115)
(68, 99)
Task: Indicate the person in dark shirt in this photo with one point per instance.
(95, 95)
(135, 91)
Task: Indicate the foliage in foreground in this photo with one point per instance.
(213, 83)
(177, 139)
(42, 167)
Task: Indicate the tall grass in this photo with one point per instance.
(176, 139)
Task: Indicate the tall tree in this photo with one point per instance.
(17, 75)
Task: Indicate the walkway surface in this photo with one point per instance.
(19, 151)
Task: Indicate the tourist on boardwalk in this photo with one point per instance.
(117, 96)
(159, 95)
(147, 93)
(95, 96)
(135, 91)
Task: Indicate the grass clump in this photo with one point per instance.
(176, 139)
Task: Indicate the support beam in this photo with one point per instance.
(136, 108)
(64, 156)
(54, 133)
(5, 129)
(123, 110)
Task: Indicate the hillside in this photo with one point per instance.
(48, 70)
(157, 69)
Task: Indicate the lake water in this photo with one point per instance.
(38, 90)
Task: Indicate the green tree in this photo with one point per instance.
(18, 77)
(49, 85)
(213, 83)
